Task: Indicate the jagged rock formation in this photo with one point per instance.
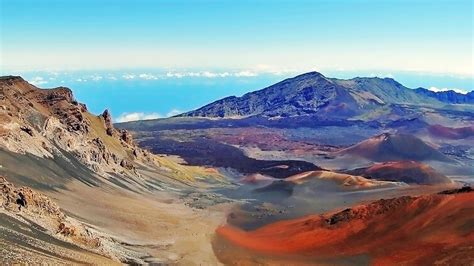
(45, 122)
(109, 128)
(35, 202)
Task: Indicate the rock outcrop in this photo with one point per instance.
(37, 209)
(47, 122)
(109, 128)
(35, 203)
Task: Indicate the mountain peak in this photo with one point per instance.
(10, 80)
(395, 147)
(4, 78)
(311, 74)
(314, 94)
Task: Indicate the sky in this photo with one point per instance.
(157, 58)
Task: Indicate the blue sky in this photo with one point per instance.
(423, 43)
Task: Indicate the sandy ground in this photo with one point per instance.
(158, 224)
(29, 244)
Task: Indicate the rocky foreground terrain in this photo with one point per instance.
(91, 195)
(53, 237)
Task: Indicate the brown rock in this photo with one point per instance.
(108, 122)
(126, 137)
(126, 164)
(28, 130)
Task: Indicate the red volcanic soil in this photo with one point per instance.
(412, 230)
(403, 171)
(451, 132)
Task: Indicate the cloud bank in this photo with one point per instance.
(37, 81)
(135, 116)
(435, 89)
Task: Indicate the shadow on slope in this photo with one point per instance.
(203, 151)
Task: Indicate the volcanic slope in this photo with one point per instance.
(394, 147)
(410, 172)
(384, 232)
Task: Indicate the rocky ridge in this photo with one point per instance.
(449, 96)
(46, 122)
(313, 94)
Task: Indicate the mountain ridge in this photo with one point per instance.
(314, 94)
(449, 96)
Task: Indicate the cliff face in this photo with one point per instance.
(49, 122)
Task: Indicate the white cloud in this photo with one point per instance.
(96, 77)
(53, 73)
(147, 76)
(38, 81)
(194, 74)
(208, 74)
(128, 76)
(435, 89)
(173, 112)
(245, 73)
(126, 117)
(174, 75)
(135, 116)
(211, 74)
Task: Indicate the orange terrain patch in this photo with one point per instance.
(401, 230)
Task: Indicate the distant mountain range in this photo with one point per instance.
(314, 94)
(448, 96)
